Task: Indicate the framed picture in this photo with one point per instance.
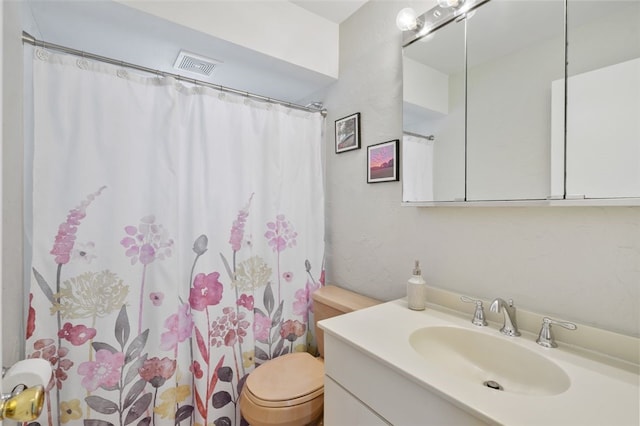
(348, 133)
(383, 162)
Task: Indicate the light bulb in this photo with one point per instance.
(449, 3)
(407, 19)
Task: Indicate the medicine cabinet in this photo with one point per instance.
(485, 116)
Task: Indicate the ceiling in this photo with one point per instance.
(113, 30)
(333, 10)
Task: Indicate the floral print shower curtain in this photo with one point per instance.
(176, 239)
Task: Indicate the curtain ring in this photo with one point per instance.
(82, 63)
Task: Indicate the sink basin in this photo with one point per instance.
(493, 362)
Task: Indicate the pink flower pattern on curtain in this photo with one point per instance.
(148, 321)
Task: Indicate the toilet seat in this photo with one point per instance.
(286, 391)
(291, 379)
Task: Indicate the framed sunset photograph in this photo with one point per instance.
(382, 162)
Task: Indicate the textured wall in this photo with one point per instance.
(13, 300)
(576, 263)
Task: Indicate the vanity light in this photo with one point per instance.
(407, 20)
(450, 3)
(417, 27)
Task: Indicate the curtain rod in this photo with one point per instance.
(418, 135)
(29, 39)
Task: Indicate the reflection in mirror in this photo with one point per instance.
(433, 93)
(515, 50)
(603, 99)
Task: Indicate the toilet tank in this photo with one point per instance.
(330, 301)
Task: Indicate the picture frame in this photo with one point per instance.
(383, 162)
(348, 133)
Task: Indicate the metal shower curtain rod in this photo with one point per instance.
(29, 39)
(418, 135)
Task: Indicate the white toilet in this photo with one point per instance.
(289, 390)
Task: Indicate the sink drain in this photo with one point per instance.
(493, 385)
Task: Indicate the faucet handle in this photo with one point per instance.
(478, 315)
(545, 338)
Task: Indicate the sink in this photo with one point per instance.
(493, 362)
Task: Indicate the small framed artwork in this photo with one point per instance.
(348, 133)
(382, 162)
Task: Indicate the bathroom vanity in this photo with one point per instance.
(390, 365)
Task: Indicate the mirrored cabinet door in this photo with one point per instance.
(603, 99)
(515, 50)
(433, 152)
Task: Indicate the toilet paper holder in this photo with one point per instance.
(25, 402)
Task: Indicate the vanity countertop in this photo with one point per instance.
(603, 390)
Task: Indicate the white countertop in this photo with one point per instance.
(600, 393)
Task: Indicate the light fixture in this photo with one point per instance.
(407, 20)
(450, 3)
(416, 27)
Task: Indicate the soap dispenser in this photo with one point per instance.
(417, 289)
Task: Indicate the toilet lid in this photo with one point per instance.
(289, 377)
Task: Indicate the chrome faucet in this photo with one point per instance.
(510, 327)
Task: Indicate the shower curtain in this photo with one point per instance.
(417, 155)
(176, 237)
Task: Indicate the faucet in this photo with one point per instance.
(510, 327)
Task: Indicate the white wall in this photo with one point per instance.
(13, 299)
(576, 263)
(1, 168)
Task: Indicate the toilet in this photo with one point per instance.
(289, 390)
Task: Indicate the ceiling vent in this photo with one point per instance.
(196, 64)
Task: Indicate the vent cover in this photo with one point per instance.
(196, 64)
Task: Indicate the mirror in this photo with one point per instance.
(603, 92)
(514, 126)
(515, 50)
(433, 152)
